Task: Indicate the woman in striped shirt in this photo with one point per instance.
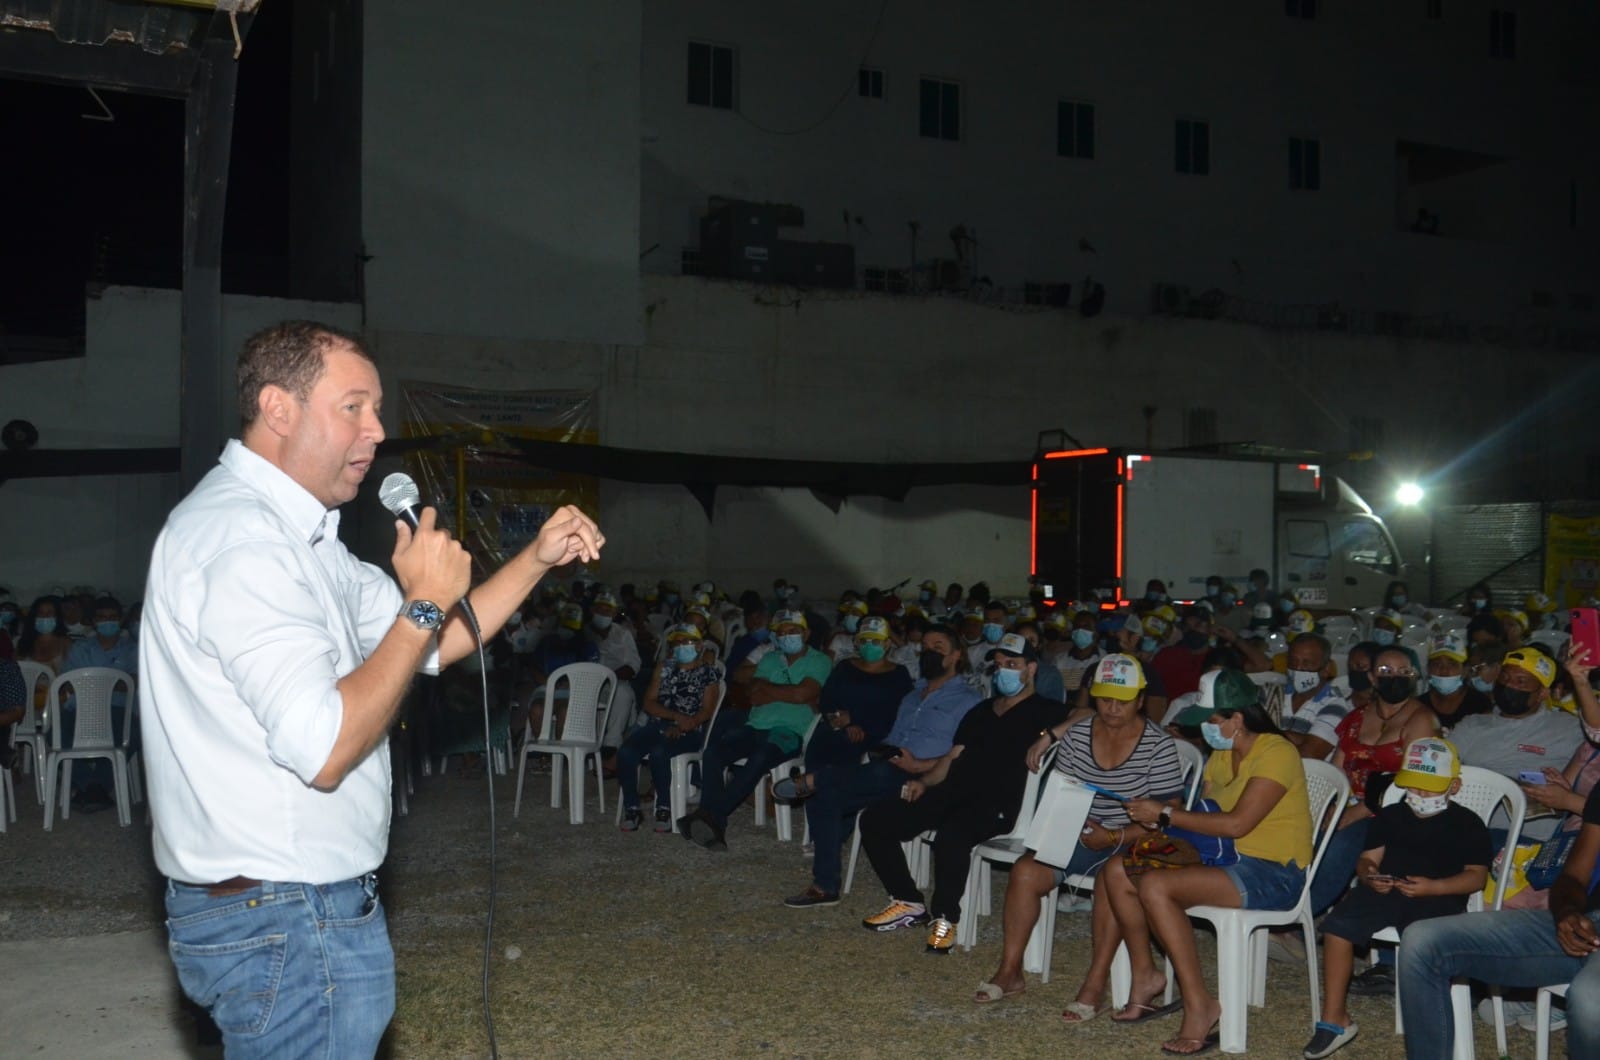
(1118, 749)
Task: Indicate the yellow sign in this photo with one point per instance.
(1571, 559)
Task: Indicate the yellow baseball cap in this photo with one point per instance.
(1535, 662)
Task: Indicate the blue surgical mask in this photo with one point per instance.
(1398, 600)
(762, 635)
(993, 631)
(684, 654)
(1213, 590)
(108, 629)
(1147, 644)
(1383, 636)
(1445, 686)
(925, 596)
(45, 625)
(671, 599)
(1008, 682)
(1212, 734)
(601, 621)
(870, 650)
(1082, 638)
(8, 619)
(1155, 597)
(1478, 603)
(1480, 685)
(791, 643)
(1285, 604)
(851, 622)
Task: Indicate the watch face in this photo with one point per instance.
(425, 614)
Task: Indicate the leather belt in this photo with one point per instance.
(228, 887)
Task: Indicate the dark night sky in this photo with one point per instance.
(73, 185)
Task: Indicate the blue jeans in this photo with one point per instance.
(287, 969)
(1515, 948)
(831, 747)
(719, 796)
(1338, 866)
(649, 743)
(842, 792)
(1265, 884)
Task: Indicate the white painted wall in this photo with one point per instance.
(500, 168)
(98, 530)
(1357, 78)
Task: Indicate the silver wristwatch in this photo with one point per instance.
(424, 614)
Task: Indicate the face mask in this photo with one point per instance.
(1214, 738)
(1213, 590)
(993, 631)
(1427, 805)
(931, 664)
(1395, 689)
(761, 635)
(1286, 605)
(1194, 640)
(1398, 600)
(133, 627)
(925, 596)
(684, 654)
(870, 651)
(1445, 686)
(1511, 701)
(8, 619)
(45, 625)
(1147, 644)
(791, 643)
(1383, 636)
(108, 629)
(1082, 638)
(671, 599)
(788, 592)
(1155, 597)
(1360, 680)
(601, 621)
(1481, 685)
(851, 622)
(1304, 680)
(1008, 682)
(1478, 603)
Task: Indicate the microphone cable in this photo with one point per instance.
(488, 772)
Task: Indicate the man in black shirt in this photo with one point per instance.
(1517, 948)
(974, 793)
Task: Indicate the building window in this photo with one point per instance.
(1300, 8)
(1193, 147)
(870, 82)
(1434, 8)
(940, 111)
(712, 73)
(1074, 129)
(1305, 164)
(1502, 34)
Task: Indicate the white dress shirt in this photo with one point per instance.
(254, 610)
(617, 647)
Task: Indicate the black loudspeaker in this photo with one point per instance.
(737, 241)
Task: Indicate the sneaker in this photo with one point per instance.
(808, 850)
(663, 819)
(1377, 981)
(1286, 947)
(632, 818)
(811, 896)
(1515, 1010)
(897, 915)
(1329, 1039)
(941, 936)
(1530, 1021)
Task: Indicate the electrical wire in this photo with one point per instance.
(488, 772)
(837, 103)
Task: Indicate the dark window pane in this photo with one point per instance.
(1181, 148)
(1313, 151)
(1202, 147)
(864, 82)
(699, 74)
(1297, 173)
(950, 111)
(929, 124)
(1064, 145)
(1085, 130)
(722, 78)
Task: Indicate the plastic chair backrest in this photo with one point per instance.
(1484, 791)
(92, 688)
(32, 674)
(1327, 790)
(1193, 763)
(1553, 639)
(1030, 800)
(1269, 679)
(733, 629)
(590, 688)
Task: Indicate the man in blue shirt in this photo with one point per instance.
(105, 646)
(922, 734)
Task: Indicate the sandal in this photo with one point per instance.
(795, 788)
(1148, 1011)
(988, 993)
(1082, 1012)
(1193, 1046)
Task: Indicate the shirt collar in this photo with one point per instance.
(305, 514)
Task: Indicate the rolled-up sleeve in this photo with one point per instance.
(380, 602)
(269, 634)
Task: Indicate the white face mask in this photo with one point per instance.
(1427, 805)
(1304, 680)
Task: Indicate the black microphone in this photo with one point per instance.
(400, 495)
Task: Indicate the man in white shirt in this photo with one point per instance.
(274, 663)
(619, 652)
(1315, 707)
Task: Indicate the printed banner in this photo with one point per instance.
(1571, 559)
(493, 498)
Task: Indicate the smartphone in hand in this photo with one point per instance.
(1586, 631)
(1533, 776)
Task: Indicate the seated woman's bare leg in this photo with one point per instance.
(1106, 937)
(1165, 896)
(1117, 889)
(1028, 882)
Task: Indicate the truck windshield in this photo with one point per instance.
(1363, 542)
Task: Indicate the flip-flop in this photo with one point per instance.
(791, 789)
(1082, 1012)
(1201, 1045)
(1151, 1012)
(988, 993)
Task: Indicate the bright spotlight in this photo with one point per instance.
(1409, 494)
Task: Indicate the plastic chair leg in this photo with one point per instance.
(1461, 1013)
(119, 775)
(51, 770)
(1121, 976)
(1041, 941)
(574, 761)
(522, 771)
(1233, 987)
(558, 766)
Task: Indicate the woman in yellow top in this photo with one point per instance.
(1257, 780)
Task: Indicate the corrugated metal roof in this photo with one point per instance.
(156, 28)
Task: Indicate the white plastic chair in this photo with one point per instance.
(977, 898)
(1553, 639)
(1364, 617)
(782, 819)
(591, 688)
(33, 731)
(1242, 935)
(1036, 957)
(678, 796)
(93, 736)
(1541, 1016)
(1483, 792)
